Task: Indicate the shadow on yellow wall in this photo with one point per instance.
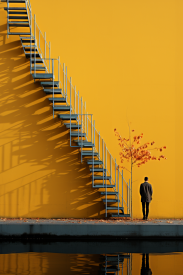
(40, 174)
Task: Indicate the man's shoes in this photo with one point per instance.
(144, 218)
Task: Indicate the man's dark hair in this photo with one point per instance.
(146, 178)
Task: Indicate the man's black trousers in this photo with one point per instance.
(145, 209)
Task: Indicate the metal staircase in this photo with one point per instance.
(113, 264)
(70, 108)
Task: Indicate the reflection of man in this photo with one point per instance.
(146, 197)
(145, 270)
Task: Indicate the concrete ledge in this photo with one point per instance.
(89, 230)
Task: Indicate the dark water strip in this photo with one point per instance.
(83, 247)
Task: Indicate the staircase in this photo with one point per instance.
(70, 108)
(112, 264)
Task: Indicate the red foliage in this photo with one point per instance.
(131, 150)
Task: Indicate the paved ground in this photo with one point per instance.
(94, 221)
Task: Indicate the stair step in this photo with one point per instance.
(67, 117)
(89, 153)
(84, 144)
(40, 61)
(38, 69)
(50, 91)
(18, 33)
(101, 177)
(109, 193)
(110, 200)
(14, 1)
(115, 215)
(19, 25)
(76, 134)
(18, 22)
(95, 162)
(115, 257)
(14, 8)
(114, 208)
(97, 170)
(17, 12)
(61, 108)
(57, 99)
(42, 76)
(18, 17)
(49, 83)
(73, 125)
(28, 55)
(28, 46)
(104, 186)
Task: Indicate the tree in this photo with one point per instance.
(136, 153)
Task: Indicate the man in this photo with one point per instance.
(146, 197)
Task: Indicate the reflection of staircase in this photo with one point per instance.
(113, 263)
(106, 177)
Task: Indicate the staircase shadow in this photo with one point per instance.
(40, 174)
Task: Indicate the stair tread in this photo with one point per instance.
(97, 170)
(62, 108)
(50, 91)
(75, 134)
(18, 33)
(18, 22)
(89, 153)
(94, 162)
(49, 83)
(59, 99)
(15, 8)
(101, 177)
(17, 17)
(67, 117)
(73, 125)
(17, 12)
(104, 186)
(109, 200)
(42, 76)
(109, 193)
(114, 208)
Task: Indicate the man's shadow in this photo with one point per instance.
(145, 270)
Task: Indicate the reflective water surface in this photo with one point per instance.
(36, 258)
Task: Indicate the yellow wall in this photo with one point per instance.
(126, 59)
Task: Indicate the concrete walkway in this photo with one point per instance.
(83, 229)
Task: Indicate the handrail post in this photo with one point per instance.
(85, 116)
(49, 54)
(45, 45)
(70, 106)
(8, 19)
(106, 179)
(122, 188)
(34, 44)
(118, 191)
(115, 174)
(103, 159)
(64, 79)
(93, 166)
(66, 85)
(99, 146)
(110, 169)
(75, 99)
(53, 84)
(30, 41)
(59, 72)
(81, 128)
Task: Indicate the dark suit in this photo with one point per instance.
(146, 197)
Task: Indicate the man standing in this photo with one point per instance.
(146, 197)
